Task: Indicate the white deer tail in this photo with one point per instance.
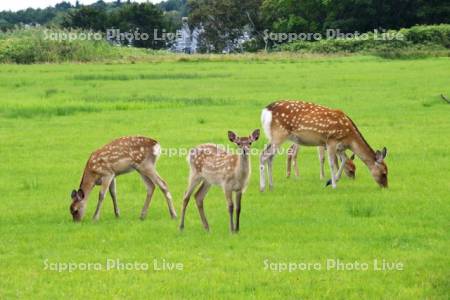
(266, 121)
(157, 150)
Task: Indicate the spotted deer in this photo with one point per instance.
(315, 125)
(121, 156)
(211, 165)
(291, 161)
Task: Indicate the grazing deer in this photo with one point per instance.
(121, 156)
(349, 167)
(315, 125)
(211, 165)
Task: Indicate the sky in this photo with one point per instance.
(15, 5)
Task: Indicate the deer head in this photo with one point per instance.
(379, 170)
(350, 168)
(244, 143)
(78, 205)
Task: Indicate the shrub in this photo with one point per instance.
(27, 46)
(432, 34)
(418, 41)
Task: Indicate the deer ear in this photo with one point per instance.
(384, 152)
(379, 156)
(74, 194)
(232, 136)
(80, 194)
(255, 135)
(352, 157)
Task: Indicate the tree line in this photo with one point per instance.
(225, 22)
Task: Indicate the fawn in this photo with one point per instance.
(315, 125)
(291, 161)
(211, 165)
(121, 156)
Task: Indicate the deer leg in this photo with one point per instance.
(270, 164)
(289, 160)
(193, 182)
(112, 192)
(336, 163)
(104, 187)
(343, 158)
(321, 151)
(150, 189)
(338, 174)
(270, 171)
(229, 197)
(199, 197)
(295, 164)
(157, 180)
(331, 158)
(262, 172)
(292, 160)
(266, 156)
(238, 209)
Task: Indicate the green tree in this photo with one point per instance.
(224, 21)
(143, 18)
(87, 18)
(294, 15)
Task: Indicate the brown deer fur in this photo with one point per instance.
(315, 125)
(121, 156)
(211, 165)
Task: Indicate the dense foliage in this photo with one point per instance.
(352, 15)
(410, 42)
(41, 45)
(228, 23)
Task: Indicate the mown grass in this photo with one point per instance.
(50, 122)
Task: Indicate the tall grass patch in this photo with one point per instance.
(151, 76)
(48, 111)
(35, 45)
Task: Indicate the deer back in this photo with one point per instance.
(307, 123)
(213, 163)
(124, 154)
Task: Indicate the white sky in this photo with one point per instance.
(15, 5)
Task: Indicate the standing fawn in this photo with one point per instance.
(121, 156)
(315, 125)
(211, 165)
(349, 167)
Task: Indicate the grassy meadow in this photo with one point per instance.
(53, 116)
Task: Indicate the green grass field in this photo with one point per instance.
(53, 116)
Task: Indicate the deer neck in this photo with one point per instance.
(87, 183)
(243, 166)
(363, 151)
